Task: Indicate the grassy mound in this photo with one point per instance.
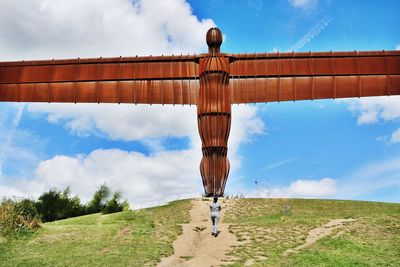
(270, 227)
(267, 227)
(129, 238)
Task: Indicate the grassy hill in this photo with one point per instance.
(269, 227)
(129, 238)
(266, 227)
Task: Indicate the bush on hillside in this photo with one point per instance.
(18, 218)
(98, 202)
(56, 205)
(27, 208)
(114, 204)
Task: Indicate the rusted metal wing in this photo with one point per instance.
(274, 77)
(138, 80)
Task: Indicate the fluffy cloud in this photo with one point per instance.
(144, 180)
(326, 187)
(37, 29)
(309, 188)
(374, 109)
(144, 122)
(121, 122)
(395, 138)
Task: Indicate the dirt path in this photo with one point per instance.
(196, 246)
(317, 233)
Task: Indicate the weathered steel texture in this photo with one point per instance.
(212, 81)
(139, 80)
(214, 116)
(273, 77)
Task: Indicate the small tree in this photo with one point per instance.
(49, 206)
(72, 205)
(114, 204)
(99, 200)
(55, 205)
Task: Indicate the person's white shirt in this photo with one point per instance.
(215, 207)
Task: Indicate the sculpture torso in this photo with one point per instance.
(214, 116)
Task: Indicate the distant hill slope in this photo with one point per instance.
(272, 232)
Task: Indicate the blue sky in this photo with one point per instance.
(348, 149)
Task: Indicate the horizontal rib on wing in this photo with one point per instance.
(304, 76)
(147, 80)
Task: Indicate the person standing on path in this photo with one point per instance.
(215, 209)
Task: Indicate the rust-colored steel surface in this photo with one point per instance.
(212, 81)
(214, 115)
(139, 80)
(272, 77)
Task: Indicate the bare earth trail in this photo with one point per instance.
(196, 246)
(320, 232)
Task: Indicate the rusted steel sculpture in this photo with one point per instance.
(212, 81)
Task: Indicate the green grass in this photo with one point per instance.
(271, 226)
(129, 238)
(267, 226)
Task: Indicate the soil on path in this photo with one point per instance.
(196, 246)
(320, 232)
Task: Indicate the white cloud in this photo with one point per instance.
(395, 138)
(374, 109)
(398, 47)
(121, 122)
(326, 187)
(245, 124)
(309, 188)
(303, 4)
(6, 191)
(144, 180)
(38, 29)
(368, 117)
(145, 123)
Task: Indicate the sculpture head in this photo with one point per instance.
(214, 40)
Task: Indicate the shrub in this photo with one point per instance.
(18, 218)
(114, 204)
(27, 208)
(55, 205)
(98, 202)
